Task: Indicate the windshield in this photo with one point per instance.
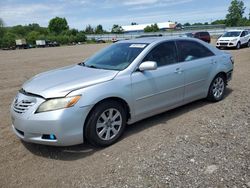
(189, 34)
(232, 34)
(116, 57)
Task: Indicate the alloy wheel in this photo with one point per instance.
(218, 87)
(109, 124)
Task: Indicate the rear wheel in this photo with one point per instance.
(248, 44)
(217, 88)
(106, 123)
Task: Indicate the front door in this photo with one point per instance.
(156, 90)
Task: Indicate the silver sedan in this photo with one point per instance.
(124, 83)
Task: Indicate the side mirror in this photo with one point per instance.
(148, 65)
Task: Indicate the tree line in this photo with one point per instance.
(59, 31)
(234, 18)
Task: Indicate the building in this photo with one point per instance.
(140, 27)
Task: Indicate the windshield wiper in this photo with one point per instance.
(82, 64)
(91, 66)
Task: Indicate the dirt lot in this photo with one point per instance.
(198, 145)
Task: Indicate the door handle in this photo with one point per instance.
(213, 62)
(178, 71)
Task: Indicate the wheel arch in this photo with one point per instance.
(117, 99)
(213, 77)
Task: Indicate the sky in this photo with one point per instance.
(80, 13)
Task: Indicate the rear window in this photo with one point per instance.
(204, 34)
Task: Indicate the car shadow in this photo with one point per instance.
(235, 49)
(71, 153)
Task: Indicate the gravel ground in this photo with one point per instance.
(201, 144)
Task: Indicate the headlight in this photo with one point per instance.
(59, 103)
(233, 40)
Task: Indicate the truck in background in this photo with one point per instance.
(21, 44)
(40, 43)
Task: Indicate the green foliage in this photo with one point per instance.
(99, 29)
(151, 28)
(186, 24)
(33, 32)
(32, 37)
(235, 13)
(117, 29)
(1, 22)
(58, 25)
(81, 37)
(18, 30)
(8, 40)
(217, 22)
(89, 29)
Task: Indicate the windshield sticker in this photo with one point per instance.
(137, 45)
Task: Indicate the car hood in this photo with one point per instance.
(227, 38)
(59, 82)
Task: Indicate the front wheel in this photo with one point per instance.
(217, 89)
(106, 123)
(248, 44)
(238, 46)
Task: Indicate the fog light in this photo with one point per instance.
(49, 136)
(52, 137)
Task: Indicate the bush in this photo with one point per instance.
(8, 40)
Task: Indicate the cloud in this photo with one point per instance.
(157, 16)
(139, 2)
(166, 3)
(80, 13)
(23, 13)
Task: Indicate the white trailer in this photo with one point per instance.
(21, 43)
(40, 43)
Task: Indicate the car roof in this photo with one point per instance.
(149, 40)
(236, 30)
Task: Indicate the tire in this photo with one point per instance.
(238, 46)
(217, 88)
(102, 128)
(248, 44)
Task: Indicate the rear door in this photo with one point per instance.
(198, 63)
(155, 90)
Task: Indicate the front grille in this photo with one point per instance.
(223, 44)
(22, 106)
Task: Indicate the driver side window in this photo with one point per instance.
(163, 54)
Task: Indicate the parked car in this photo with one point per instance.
(51, 43)
(114, 40)
(202, 35)
(124, 83)
(100, 40)
(234, 39)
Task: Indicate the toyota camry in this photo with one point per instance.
(123, 83)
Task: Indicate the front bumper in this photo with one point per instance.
(66, 125)
(228, 44)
